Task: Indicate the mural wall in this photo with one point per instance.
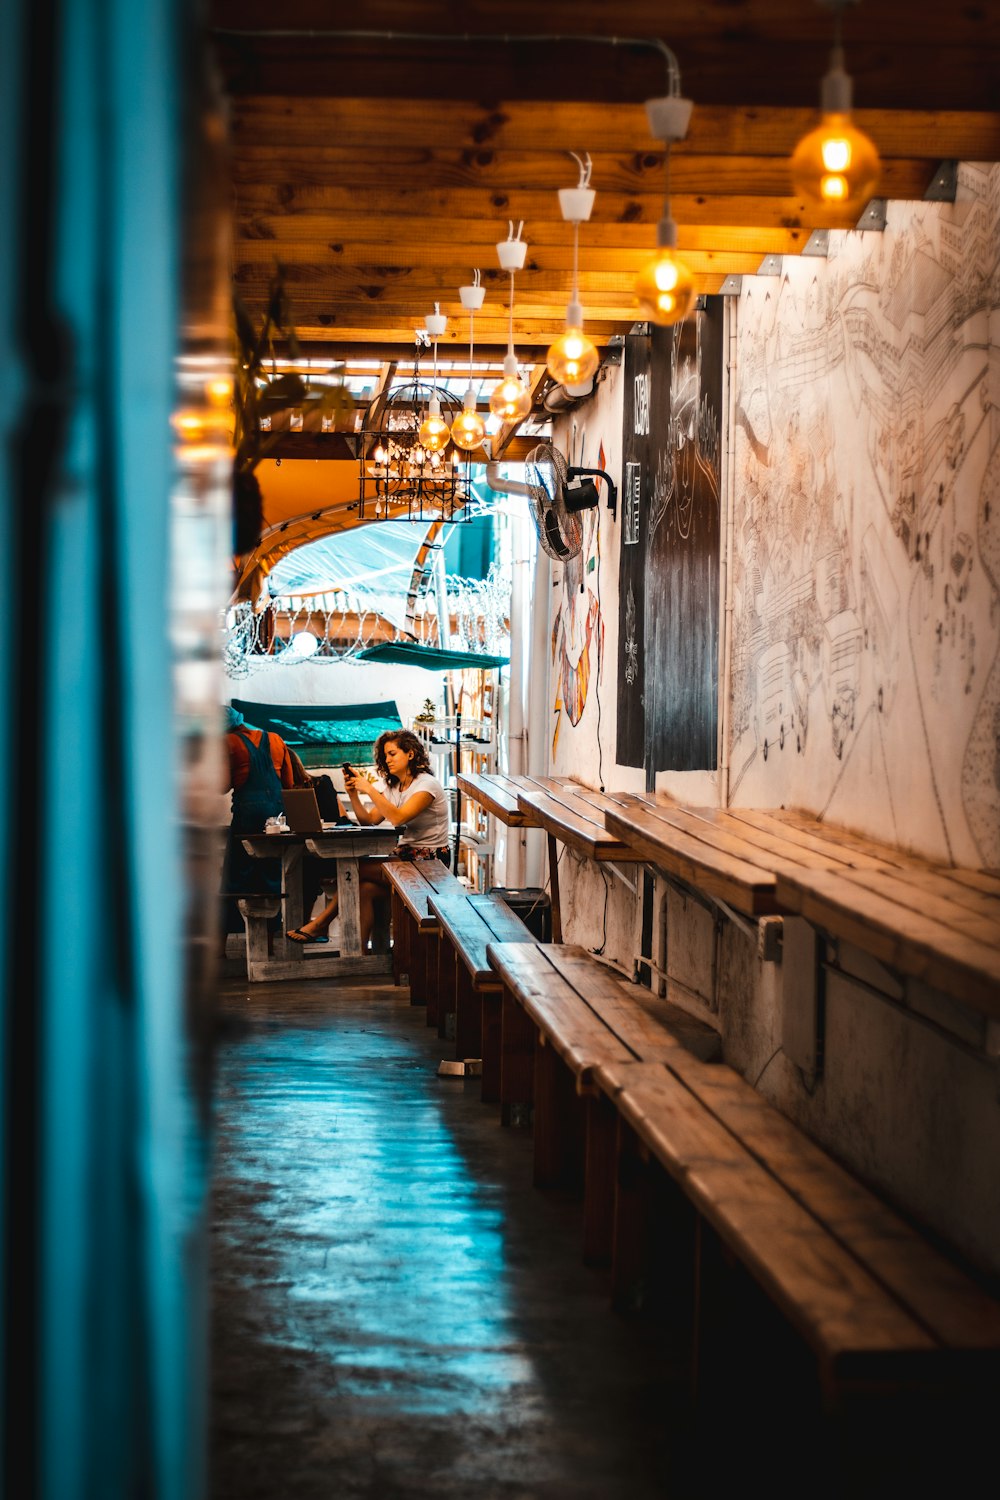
(865, 671)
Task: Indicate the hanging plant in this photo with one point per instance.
(258, 395)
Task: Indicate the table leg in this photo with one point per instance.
(349, 905)
(291, 884)
(554, 889)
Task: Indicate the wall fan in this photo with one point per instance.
(558, 494)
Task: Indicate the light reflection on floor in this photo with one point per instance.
(379, 1252)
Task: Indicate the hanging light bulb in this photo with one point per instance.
(836, 165)
(468, 429)
(433, 433)
(664, 288)
(572, 359)
(511, 399)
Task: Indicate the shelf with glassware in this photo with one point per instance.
(462, 743)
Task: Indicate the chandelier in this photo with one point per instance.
(403, 476)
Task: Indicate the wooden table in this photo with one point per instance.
(567, 812)
(932, 922)
(344, 847)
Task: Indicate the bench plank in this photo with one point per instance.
(414, 880)
(495, 794)
(642, 1021)
(573, 825)
(471, 922)
(837, 1307)
(907, 940)
(946, 1301)
(747, 887)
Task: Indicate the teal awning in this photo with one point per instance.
(408, 653)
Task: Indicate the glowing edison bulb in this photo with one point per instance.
(664, 288)
(468, 428)
(572, 359)
(433, 432)
(836, 164)
(510, 400)
(219, 391)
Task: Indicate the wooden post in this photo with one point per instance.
(554, 889)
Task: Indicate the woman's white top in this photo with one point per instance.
(429, 827)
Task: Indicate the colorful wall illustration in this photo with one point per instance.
(866, 679)
(578, 626)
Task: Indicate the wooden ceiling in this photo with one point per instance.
(379, 170)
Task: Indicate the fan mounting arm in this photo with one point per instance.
(585, 496)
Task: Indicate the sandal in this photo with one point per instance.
(299, 935)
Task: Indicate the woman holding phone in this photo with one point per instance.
(409, 797)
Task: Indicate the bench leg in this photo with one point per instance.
(432, 992)
(601, 1136)
(468, 1015)
(447, 968)
(517, 1056)
(491, 1039)
(558, 1121)
(628, 1246)
(419, 955)
(256, 913)
(400, 939)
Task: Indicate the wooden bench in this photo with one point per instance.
(561, 1015)
(869, 1308)
(468, 986)
(416, 928)
(933, 922)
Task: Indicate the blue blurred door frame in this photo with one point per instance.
(103, 1186)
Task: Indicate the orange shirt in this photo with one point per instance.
(239, 757)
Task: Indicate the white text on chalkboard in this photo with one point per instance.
(633, 473)
(642, 404)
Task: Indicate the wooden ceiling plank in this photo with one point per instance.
(518, 172)
(374, 125)
(392, 244)
(496, 207)
(395, 241)
(387, 285)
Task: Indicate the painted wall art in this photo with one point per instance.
(865, 671)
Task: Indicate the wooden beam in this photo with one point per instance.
(369, 125)
(394, 240)
(408, 256)
(421, 171)
(708, 204)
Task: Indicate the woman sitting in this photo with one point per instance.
(408, 797)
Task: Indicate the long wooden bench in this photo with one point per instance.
(415, 927)
(877, 1307)
(933, 922)
(468, 986)
(562, 1014)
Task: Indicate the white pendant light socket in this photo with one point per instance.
(576, 204)
(472, 297)
(836, 92)
(669, 117)
(510, 366)
(436, 322)
(512, 251)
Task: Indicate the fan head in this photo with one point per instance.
(560, 530)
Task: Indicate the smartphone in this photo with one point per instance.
(347, 768)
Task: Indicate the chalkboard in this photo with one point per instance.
(682, 578)
(669, 565)
(636, 447)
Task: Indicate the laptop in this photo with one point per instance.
(302, 810)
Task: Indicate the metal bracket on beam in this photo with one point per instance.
(731, 286)
(818, 243)
(944, 183)
(613, 350)
(770, 266)
(874, 216)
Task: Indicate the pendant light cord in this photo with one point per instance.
(510, 326)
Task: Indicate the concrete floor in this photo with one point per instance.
(397, 1312)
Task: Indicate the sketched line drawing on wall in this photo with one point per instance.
(867, 516)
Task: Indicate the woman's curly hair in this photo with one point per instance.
(407, 741)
